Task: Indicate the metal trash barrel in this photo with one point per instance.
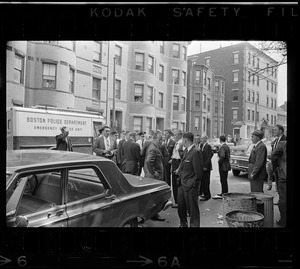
(267, 208)
(244, 219)
(238, 201)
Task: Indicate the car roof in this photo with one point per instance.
(17, 159)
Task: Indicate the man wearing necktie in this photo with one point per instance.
(170, 143)
(207, 167)
(63, 141)
(257, 172)
(190, 173)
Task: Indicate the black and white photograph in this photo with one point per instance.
(149, 125)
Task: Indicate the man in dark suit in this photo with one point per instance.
(132, 155)
(224, 166)
(120, 153)
(190, 173)
(207, 167)
(63, 141)
(257, 172)
(169, 143)
(141, 140)
(105, 145)
(280, 136)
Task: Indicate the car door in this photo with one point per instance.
(41, 202)
(90, 200)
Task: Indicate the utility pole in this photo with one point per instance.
(114, 98)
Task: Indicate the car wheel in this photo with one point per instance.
(236, 172)
(131, 223)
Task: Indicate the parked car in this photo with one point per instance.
(239, 156)
(215, 144)
(67, 189)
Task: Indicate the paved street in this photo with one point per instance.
(211, 210)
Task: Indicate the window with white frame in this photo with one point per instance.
(197, 123)
(139, 61)
(97, 52)
(19, 68)
(235, 76)
(236, 58)
(49, 75)
(118, 88)
(217, 85)
(207, 61)
(161, 72)
(234, 114)
(197, 99)
(151, 64)
(176, 50)
(197, 75)
(118, 55)
(175, 125)
(150, 95)
(160, 100)
(137, 124)
(71, 80)
(175, 102)
(96, 88)
(175, 76)
(138, 92)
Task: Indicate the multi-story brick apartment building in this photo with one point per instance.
(150, 79)
(251, 90)
(205, 114)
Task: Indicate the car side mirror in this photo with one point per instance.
(21, 221)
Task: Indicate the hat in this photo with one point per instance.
(169, 131)
(141, 133)
(258, 133)
(114, 133)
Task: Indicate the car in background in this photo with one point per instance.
(239, 155)
(215, 144)
(47, 188)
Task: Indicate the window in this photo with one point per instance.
(235, 58)
(249, 96)
(49, 75)
(257, 80)
(161, 72)
(271, 102)
(197, 80)
(253, 97)
(271, 119)
(175, 76)
(222, 87)
(162, 47)
(137, 124)
(267, 101)
(19, 69)
(150, 95)
(275, 103)
(217, 85)
(197, 99)
(222, 107)
(257, 63)
(216, 107)
(204, 77)
(138, 93)
(274, 120)
(271, 87)
(203, 124)
(182, 103)
(207, 61)
(252, 115)
(97, 52)
(183, 78)
(235, 76)
(249, 76)
(161, 100)
(267, 85)
(183, 126)
(118, 89)
(80, 189)
(208, 83)
(248, 114)
(234, 114)
(118, 55)
(267, 117)
(96, 88)
(175, 102)
(184, 53)
(71, 82)
(148, 125)
(275, 88)
(176, 50)
(197, 123)
(253, 79)
(208, 104)
(151, 64)
(139, 61)
(257, 116)
(175, 125)
(235, 98)
(257, 97)
(253, 60)
(204, 101)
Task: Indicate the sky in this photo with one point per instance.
(195, 46)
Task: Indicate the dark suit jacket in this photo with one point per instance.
(154, 162)
(62, 144)
(279, 157)
(132, 156)
(207, 155)
(99, 145)
(191, 169)
(224, 158)
(275, 160)
(120, 153)
(257, 162)
(170, 148)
